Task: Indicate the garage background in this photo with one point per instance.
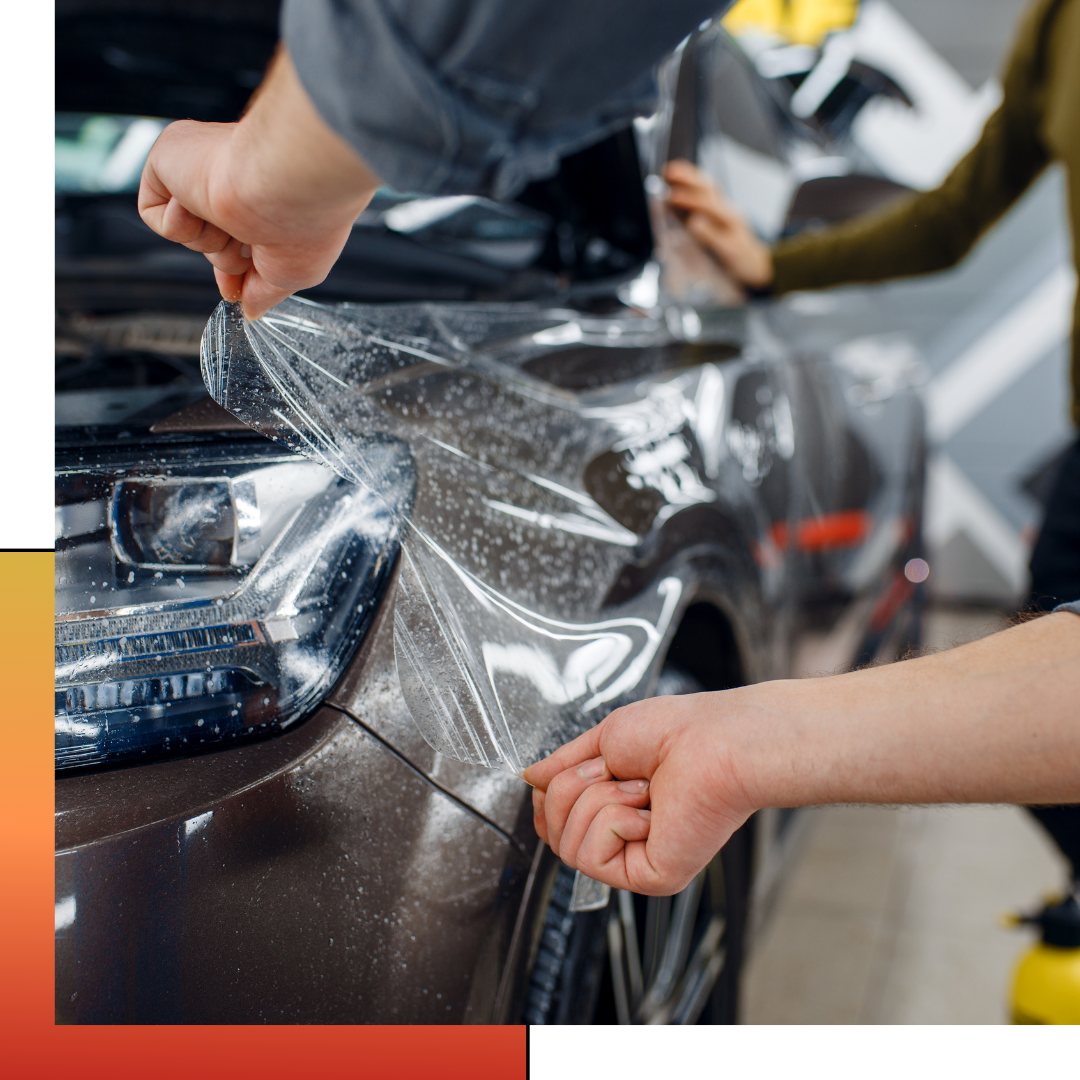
(998, 396)
(892, 915)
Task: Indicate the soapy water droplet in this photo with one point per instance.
(506, 558)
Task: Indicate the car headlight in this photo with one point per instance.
(211, 595)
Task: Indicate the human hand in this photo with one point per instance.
(590, 796)
(993, 721)
(715, 224)
(269, 200)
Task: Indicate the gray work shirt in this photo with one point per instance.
(481, 96)
(1074, 607)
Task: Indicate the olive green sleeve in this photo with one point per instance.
(934, 230)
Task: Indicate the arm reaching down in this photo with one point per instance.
(269, 200)
(994, 721)
(443, 97)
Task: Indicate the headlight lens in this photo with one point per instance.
(212, 595)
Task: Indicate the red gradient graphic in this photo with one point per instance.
(35, 1046)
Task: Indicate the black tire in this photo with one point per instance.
(564, 984)
(573, 979)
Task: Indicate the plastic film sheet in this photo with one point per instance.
(505, 555)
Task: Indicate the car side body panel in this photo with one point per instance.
(324, 881)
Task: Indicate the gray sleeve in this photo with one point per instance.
(480, 95)
(1074, 607)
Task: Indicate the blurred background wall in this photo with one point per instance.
(998, 403)
(891, 915)
(998, 395)
(972, 35)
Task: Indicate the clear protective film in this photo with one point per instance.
(505, 555)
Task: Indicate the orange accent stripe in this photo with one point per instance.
(844, 529)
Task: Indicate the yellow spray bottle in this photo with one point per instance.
(1046, 986)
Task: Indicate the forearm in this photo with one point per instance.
(994, 721)
(284, 159)
(901, 240)
(936, 229)
(918, 234)
(269, 200)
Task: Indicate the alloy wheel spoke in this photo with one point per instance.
(618, 976)
(701, 973)
(633, 956)
(675, 951)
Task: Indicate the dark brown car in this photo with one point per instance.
(250, 826)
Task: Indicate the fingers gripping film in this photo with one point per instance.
(594, 804)
(615, 834)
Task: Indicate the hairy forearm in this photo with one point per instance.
(284, 159)
(994, 721)
(270, 200)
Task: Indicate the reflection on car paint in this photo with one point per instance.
(492, 668)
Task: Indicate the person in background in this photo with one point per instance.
(1038, 122)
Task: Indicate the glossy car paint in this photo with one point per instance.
(344, 869)
(317, 876)
(344, 872)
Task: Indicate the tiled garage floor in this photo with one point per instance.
(891, 915)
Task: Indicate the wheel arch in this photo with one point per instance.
(706, 645)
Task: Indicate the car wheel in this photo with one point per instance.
(647, 959)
